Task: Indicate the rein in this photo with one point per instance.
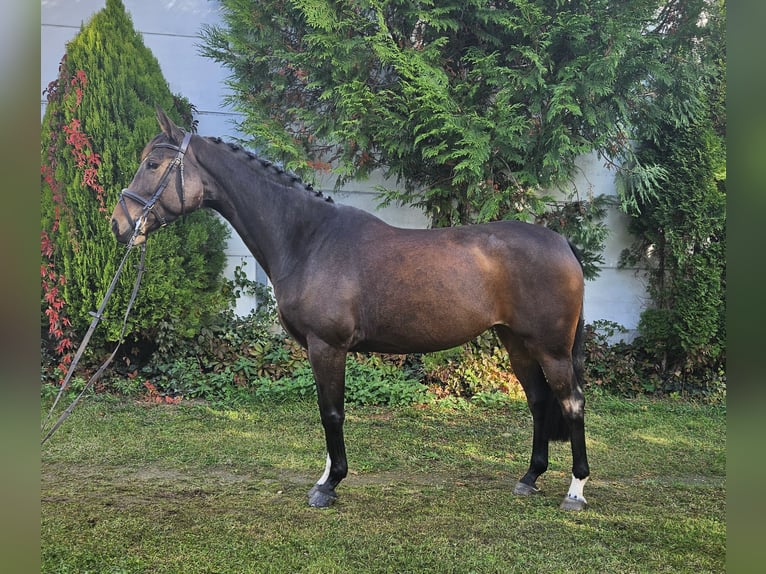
(96, 318)
(148, 206)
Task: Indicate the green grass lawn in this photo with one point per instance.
(193, 488)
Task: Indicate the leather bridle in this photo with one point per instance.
(149, 205)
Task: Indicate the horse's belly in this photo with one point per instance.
(418, 330)
(407, 345)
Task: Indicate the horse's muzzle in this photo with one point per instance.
(125, 236)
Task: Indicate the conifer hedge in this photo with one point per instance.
(477, 106)
(681, 239)
(100, 114)
(680, 231)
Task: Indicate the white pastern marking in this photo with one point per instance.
(575, 489)
(326, 474)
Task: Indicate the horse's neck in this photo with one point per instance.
(272, 213)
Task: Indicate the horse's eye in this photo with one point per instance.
(152, 164)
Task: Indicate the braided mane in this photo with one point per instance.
(288, 177)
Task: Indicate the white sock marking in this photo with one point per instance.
(326, 474)
(576, 487)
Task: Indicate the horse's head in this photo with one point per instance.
(166, 185)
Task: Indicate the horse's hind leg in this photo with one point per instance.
(328, 365)
(557, 404)
(565, 378)
(539, 398)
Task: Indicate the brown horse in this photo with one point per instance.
(346, 281)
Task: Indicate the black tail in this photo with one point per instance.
(556, 427)
(578, 349)
(578, 352)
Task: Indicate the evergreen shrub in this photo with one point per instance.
(100, 114)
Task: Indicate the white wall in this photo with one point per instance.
(170, 29)
(617, 295)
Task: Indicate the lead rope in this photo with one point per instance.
(96, 318)
(148, 206)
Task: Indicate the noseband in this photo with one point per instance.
(149, 204)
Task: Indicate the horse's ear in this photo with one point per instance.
(168, 127)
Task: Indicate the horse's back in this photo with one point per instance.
(493, 255)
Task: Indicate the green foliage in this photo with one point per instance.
(370, 380)
(475, 107)
(477, 370)
(100, 114)
(633, 369)
(681, 232)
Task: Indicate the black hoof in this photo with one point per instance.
(524, 489)
(320, 497)
(575, 504)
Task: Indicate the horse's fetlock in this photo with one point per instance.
(581, 471)
(539, 465)
(340, 470)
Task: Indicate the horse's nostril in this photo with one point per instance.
(115, 227)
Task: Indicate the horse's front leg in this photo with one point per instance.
(538, 463)
(328, 365)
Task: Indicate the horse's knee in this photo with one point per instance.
(332, 418)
